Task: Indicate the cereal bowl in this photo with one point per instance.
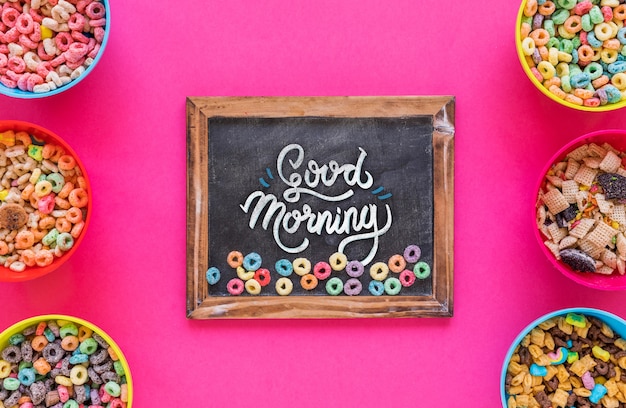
(581, 346)
(60, 357)
(574, 52)
(45, 201)
(49, 49)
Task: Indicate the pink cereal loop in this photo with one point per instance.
(80, 37)
(36, 34)
(24, 24)
(3, 60)
(100, 22)
(63, 41)
(76, 51)
(9, 16)
(32, 81)
(76, 22)
(16, 64)
(9, 83)
(95, 11)
(26, 42)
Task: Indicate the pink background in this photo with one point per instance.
(127, 123)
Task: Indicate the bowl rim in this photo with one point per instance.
(609, 283)
(610, 318)
(24, 323)
(6, 275)
(539, 85)
(19, 94)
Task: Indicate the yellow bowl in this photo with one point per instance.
(20, 326)
(527, 69)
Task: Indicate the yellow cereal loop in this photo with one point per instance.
(243, 274)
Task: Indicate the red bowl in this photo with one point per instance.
(615, 281)
(45, 135)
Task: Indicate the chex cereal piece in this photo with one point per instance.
(556, 233)
(604, 270)
(620, 244)
(569, 188)
(602, 235)
(555, 201)
(593, 162)
(568, 242)
(554, 248)
(609, 259)
(605, 207)
(556, 181)
(579, 153)
(610, 163)
(619, 214)
(610, 148)
(581, 229)
(589, 248)
(596, 150)
(571, 169)
(585, 175)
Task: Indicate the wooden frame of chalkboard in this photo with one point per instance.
(436, 112)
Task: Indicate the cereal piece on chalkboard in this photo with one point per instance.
(585, 175)
(555, 201)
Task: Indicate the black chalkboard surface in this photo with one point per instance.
(292, 178)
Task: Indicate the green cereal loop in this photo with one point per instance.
(595, 14)
(23, 365)
(565, 84)
(553, 42)
(88, 346)
(421, 270)
(69, 329)
(119, 368)
(574, 69)
(392, 286)
(548, 25)
(16, 339)
(65, 241)
(50, 239)
(11, 384)
(559, 16)
(594, 70)
(113, 389)
(586, 23)
(334, 286)
(565, 45)
(566, 4)
(71, 404)
(57, 181)
(575, 43)
(526, 19)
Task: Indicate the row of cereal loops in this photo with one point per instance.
(581, 209)
(568, 361)
(252, 278)
(43, 200)
(576, 48)
(59, 364)
(45, 44)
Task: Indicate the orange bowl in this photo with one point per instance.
(43, 213)
(615, 281)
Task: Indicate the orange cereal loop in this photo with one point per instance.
(65, 191)
(234, 259)
(42, 366)
(43, 257)
(525, 30)
(308, 281)
(112, 354)
(23, 400)
(619, 12)
(27, 192)
(63, 225)
(39, 342)
(396, 263)
(77, 229)
(557, 91)
(46, 223)
(78, 197)
(24, 138)
(540, 36)
(611, 44)
(4, 248)
(62, 203)
(573, 24)
(585, 53)
(48, 150)
(84, 333)
(544, 53)
(66, 162)
(583, 93)
(530, 9)
(24, 239)
(600, 81)
(74, 215)
(28, 257)
(546, 8)
(81, 182)
(69, 343)
(38, 234)
(555, 80)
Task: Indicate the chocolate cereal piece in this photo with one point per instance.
(578, 260)
(613, 184)
(12, 216)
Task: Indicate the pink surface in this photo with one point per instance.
(127, 122)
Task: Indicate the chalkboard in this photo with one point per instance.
(310, 178)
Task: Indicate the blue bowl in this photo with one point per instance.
(18, 93)
(617, 324)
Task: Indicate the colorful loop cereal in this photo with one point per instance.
(352, 287)
(235, 286)
(252, 261)
(379, 271)
(234, 259)
(355, 269)
(376, 288)
(262, 276)
(421, 270)
(253, 287)
(412, 253)
(407, 278)
(334, 286)
(213, 275)
(284, 267)
(244, 275)
(338, 261)
(392, 286)
(284, 286)
(396, 263)
(308, 281)
(322, 270)
(301, 266)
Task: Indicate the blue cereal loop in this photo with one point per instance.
(593, 41)
(580, 80)
(616, 67)
(284, 267)
(613, 95)
(376, 288)
(252, 261)
(26, 376)
(79, 358)
(621, 35)
(213, 275)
